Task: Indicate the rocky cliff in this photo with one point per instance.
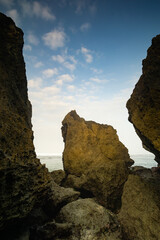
(23, 180)
(94, 154)
(144, 104)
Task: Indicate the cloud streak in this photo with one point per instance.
(36, 9)
(87, 54)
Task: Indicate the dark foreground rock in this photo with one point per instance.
(94, 154)
(144, 104)
(24, 182)
(90, 221)
(140, 212)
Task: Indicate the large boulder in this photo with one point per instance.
(90, 221)
(140, 212)
(94, 153)
(144, 104)
(24, 182)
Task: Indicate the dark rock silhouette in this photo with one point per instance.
(23, 180)
(144, 104)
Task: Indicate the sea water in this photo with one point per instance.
(54, 162)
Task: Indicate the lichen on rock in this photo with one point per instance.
(93, 152)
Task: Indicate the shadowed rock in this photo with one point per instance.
(94, 153)
(144, 104)
(140, 212)
(90, 221)
(24, 182)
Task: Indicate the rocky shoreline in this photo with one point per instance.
(99, 195)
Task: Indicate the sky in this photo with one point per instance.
(83, 55)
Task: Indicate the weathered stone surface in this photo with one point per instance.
(58, 176)
(140, 212)
(60, 196)
(94, 153)
(90, 221)
(144, 104)
(24, 182)
(52, 230)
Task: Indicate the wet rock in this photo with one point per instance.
(140, 212)
(90, 221)
(94, 153)
(144, 104)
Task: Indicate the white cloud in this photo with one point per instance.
(36, 9)
(7, 3)
(98, 80)
(42, 11)
(48, 73)
(35, 83)
(85, 27)
(27, 47)
(71, 88)
(51, 90)
(38, 65)
(32, 39)
(64, 78)
(58, 58)
(67, 61)
(97, 71)
(55, 39)
(14, 15)
(87, 54)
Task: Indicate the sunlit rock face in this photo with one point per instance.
(144, 104)
(22, 178)
(94, 153)
(140, 211)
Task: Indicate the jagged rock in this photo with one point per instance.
(94, 153)
(60, 196)
(58, 176)
(90, 221)
(144, 104)
(140, 212)
(24, 182)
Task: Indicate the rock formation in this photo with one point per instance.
(23, 180)
(90, 221)
(144, 104)
(140, 212)
(94, 153)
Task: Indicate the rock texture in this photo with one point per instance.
(24, 182)
(90, 221)
(93, 152)
(144, 104)
(140, 212)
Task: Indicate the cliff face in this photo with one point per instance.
(94, 153)
(144, 104)
(22, 178)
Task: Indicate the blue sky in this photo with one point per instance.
(84, 55)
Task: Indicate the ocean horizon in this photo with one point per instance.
(54, 161)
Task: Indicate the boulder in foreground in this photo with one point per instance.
(140, 212)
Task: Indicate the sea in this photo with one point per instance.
(54, 162)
